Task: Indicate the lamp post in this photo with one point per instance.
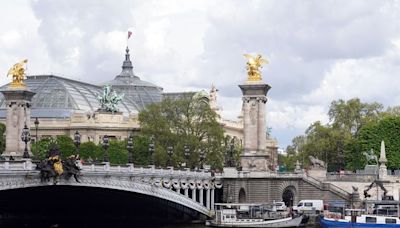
(129, 147)
(26, 137)
(36, 128)
(77, 141)
(151, 148)
(186, 151)
(231, 147)
(202, 156)
(170, 152)
(106, 141)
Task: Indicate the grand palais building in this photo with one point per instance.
(63, 106)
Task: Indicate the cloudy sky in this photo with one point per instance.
(319, 51)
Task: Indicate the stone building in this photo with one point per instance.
(64, 106)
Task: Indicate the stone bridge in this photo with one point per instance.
(192, 189)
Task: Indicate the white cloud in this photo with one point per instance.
(318, 50)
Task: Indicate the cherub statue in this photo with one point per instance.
(17, 72)
(253, 66)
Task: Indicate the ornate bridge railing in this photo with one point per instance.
(193, 189)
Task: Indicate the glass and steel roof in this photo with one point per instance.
(58, 97)
(140, 92)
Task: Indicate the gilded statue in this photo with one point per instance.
(254, 64)
(18, 72)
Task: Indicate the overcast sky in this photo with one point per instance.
(318, 51)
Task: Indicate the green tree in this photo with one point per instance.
(90, 150)
(40, 148)
(141, 155)
(371, 135)
(117, 152)
(351, 115)
(66, 145)
(336, 140)
(185, 121)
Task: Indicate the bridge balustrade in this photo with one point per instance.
(194, 189)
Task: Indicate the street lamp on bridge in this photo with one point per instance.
(202, 156)
(151, 148)
(106, 141)
(129, 147)
(170, 152)
(186, 151)
(77, 141)
(26, 137)
(36, 128)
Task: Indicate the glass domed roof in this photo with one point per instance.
(59, 97)
(140, 92)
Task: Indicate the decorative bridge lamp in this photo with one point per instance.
(26, 137)
(77, 141)
(186, 151)
(202, 156)
(129, 146)
(231, 148)
(170, 151)
(106, 141)
(151, 148)
(36, 128)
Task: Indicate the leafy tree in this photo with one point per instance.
(371, 135)
(185, 121)
(66, 145)
(336, 140)
(117, 152)
(351, 115)
(141, 155)
(40, 148)
(90, 150)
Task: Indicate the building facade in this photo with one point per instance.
(63, 106)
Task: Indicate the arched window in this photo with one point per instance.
(242, 196)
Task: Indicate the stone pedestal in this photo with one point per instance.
(18, 103)
(254, 156)
(317, 173)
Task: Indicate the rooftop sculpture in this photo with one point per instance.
(109, 99)
(254, 64)
(18, 74)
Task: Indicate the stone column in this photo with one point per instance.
(212, 198)
(208, 199)
(18, 102)
(194, 194)
(187, 192)
(201, 197)
(255, 156)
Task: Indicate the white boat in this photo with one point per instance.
(248, 215)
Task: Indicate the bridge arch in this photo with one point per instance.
(91, 205)
(197, 196)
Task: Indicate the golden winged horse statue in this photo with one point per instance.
(17, 72)
(254, 64)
